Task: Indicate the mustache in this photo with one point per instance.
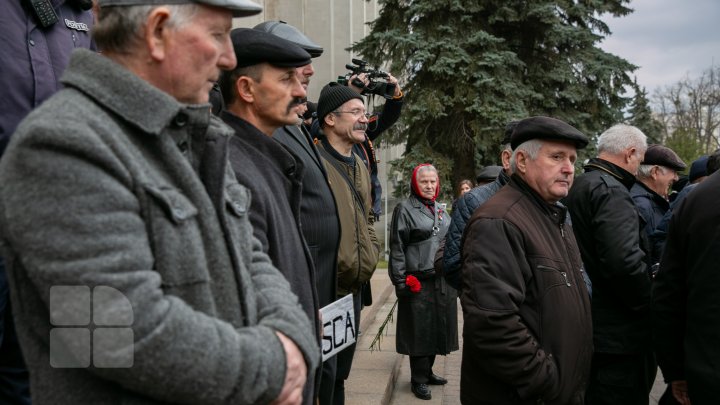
(362, 126)
(296, 102)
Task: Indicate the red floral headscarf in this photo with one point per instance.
(416, 189)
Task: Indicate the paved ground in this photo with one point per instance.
(382, 377)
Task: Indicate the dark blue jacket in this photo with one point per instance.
(33, 57)
(659, 236)
(651, 207)
(462, 212)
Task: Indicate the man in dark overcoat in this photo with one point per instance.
(318, 212)
(685, 316)
(262, 94)
(608, 231)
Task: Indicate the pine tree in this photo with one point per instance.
(471, 66)
(641, 115)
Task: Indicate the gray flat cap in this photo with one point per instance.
(546, 128)
(292, 34)
(663, 156)
(239, 8)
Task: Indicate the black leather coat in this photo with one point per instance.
(426, 321)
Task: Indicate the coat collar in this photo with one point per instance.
(622, 175)
(557, 211)
(248, 134)
(118, 89)
(416, 203)
(639, 188)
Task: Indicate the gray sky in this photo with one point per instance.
(667, 39)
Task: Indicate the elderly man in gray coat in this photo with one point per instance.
(134, 273)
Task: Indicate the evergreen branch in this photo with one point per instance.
(382, 329)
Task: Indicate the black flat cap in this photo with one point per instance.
(546, 128)
(663, 156)
(488, 173)
(253, 47)
(292, 34)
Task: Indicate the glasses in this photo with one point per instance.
(355, 113)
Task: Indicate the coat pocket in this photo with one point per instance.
(175, 236)
(420, 257)
(237, 199)
(551, 277)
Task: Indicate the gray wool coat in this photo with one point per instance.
(113, 183)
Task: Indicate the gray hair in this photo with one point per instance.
(531, 148)
(118, 29)
(428, 168)
(621, 137)
(644, 171)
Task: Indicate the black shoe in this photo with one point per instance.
(436, 380)
(421, 391)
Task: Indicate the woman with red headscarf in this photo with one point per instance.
(427, 306)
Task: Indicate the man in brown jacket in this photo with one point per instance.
(343, 121)
(527, 331)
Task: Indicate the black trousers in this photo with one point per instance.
(345, 358)
(14, 377)
(421, 368)
(621, 379)
(327, 381)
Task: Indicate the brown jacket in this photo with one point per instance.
(528, 329)
(359, 249)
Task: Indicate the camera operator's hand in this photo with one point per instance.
(398, 91)
(361, 77)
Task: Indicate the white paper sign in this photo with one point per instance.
(339, 329)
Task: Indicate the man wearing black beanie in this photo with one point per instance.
(343, 120)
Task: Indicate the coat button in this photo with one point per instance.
(180, 120)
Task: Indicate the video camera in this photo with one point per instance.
(378, 83)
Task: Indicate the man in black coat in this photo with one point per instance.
(318, 211)
(607, 229)
(262, 94)
(686, 322)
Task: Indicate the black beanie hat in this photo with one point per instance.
(332, 96)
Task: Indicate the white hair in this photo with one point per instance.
(119, 28)
(621, 137)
